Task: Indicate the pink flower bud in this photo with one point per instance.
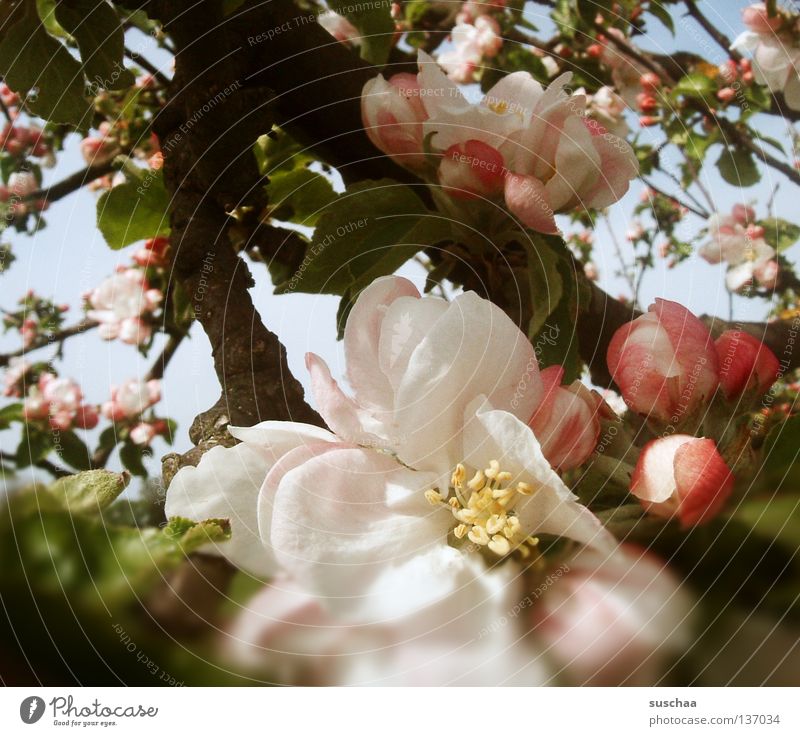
(664, 363)
(726, 94)
(472, 169)
(647, 121)
(650, 81)
(682, 476)
(393, 113)
(142, 434)
(566, 422)
(743, 214)
(745, 363)
(86, 417)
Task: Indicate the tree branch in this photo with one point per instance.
(72, 183)
(57, 337)
(721, 39)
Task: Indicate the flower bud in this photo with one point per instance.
(664, 363)
(472, 169)
(566, 422)
(682, 476)
(757, 19)
(745, 363)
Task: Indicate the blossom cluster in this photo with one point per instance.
(124, 303)
(773, 42)
(669, 369)
(409, 520)
(739, 242)
(475, 37)
(531, 148)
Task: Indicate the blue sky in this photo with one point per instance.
(69, 257)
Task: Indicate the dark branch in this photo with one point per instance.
(721, 39)
(71, 183)
(43, 342)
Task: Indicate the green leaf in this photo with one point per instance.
(779, 233)
(657, 10)
(374, 23)
(71, 449)
(96, 28)
(135, 210)
(738, 167)
(191, 535)
(89, 491)
(545, 282)
(31, 59)
(10, 413)
(130, 456)
(775, 518)
(278, 151)
(781, 451)
(35, 445)
(695, 85)
(299, 196)
(369, 231)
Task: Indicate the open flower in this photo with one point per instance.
(530, 147)
(471, 43)
(120, 302)
(776, 51)
(131, 398)
(684, 476)
(664, 363)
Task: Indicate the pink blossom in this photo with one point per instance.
(97, 151)
(680, 475)
(612, 620)
(472, 169)
(393, 113)
(664, 363)
(757, 19)
(566, 422)
(144, 433)
(13, 376)
(471, 43)
(745, 364)
(120, 302)
(131, 398)
(60, 400)
(153, 253)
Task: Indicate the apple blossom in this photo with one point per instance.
(664, 363)
(553, 159)
(471, 43)
(613, 620)
(776, 51)
(120, 302)
(745, 363)
(339, 27)
(97, 150)
(21, 184)
(684, 476)
(415, 363)
(131, 398)
(608, 108)
(153, 254)
(60, 401)
(566, 422)
(392, 113)
(16, 371)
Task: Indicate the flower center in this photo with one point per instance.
(483, 508)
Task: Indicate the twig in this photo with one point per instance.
(158, 368)
(56, 337)
(722, 40)
(618, 250)
(137, 58)
(700, 213)
(72, 183)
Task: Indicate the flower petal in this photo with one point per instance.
(344, 517)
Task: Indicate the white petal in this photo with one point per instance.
(343, 518)
(474, 349)
(225, 485)
(552, 509)
(280, 437)
(362, 339)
